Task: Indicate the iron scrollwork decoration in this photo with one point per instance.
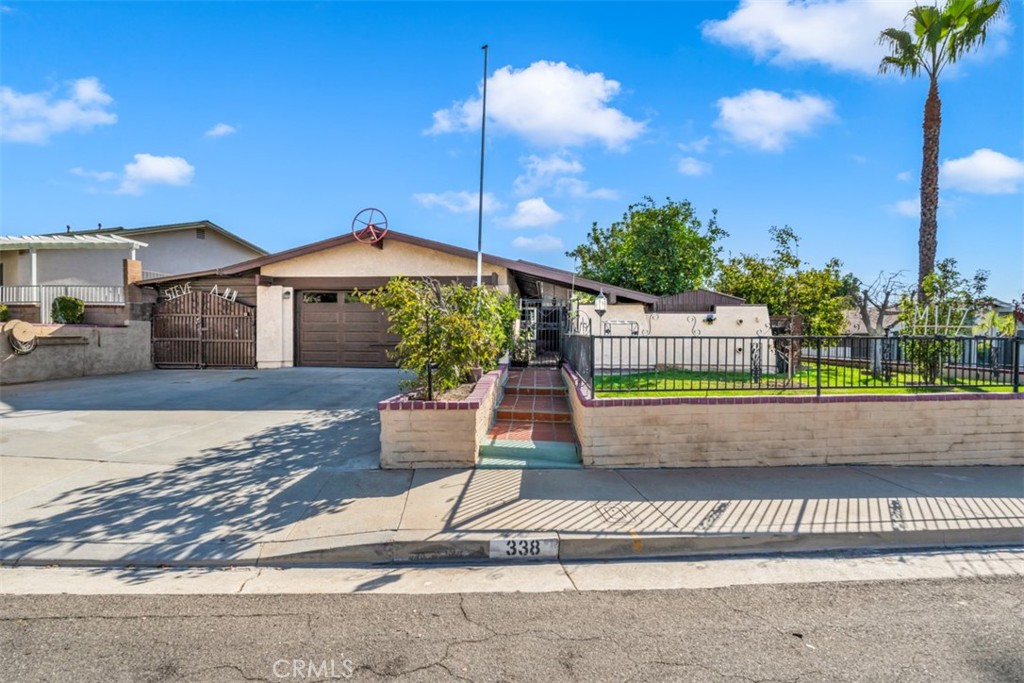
(650, 318)
(692, 319)
(755, 363)
(886, 361)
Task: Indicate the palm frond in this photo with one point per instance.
(903, 57)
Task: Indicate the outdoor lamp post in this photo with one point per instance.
(601, 305)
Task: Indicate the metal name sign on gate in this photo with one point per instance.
(178, 291)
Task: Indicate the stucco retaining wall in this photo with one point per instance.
(937, 429)
(423, 434)
(65, 351)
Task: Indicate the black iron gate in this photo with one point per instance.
(545, 321)
(202, 330)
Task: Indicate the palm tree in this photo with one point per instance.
(939, 36)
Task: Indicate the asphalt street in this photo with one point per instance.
(960, 630)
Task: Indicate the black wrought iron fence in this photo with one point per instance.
(793, 363)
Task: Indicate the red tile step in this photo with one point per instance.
(514, 430)
(535, 381)
(533, 428)
(533, 408)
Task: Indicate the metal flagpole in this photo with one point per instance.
(480, 215)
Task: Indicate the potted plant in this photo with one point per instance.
(524, 350)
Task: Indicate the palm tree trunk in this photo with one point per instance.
(927, 238)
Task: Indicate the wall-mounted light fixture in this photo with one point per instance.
(709, 318)
(286, 294)
(601, 304)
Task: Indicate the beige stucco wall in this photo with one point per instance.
(396, 258)
(878, 432)
(425, 436)
(699, 346)
(275, 327)
(12, 268)
(78, 351)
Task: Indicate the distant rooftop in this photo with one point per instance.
(170, 227)
(67, 241)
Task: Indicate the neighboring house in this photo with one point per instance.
(171, 249)
(89, 264)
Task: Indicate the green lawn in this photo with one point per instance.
(834, 380)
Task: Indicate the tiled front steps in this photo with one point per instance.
(533, 429)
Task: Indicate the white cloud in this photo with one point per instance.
(691, 166)
(34, 117)
(557, 172)
(903, 176)
(908, 207)
(698, 146)
(532, 213)
(148, 169)
(94, 175)
(547, 103)
(842, 34)
(458, 202)
(543, 172)
(220, 130)
(985, 171)
(574, 187)
(539, 243)
(767, 120)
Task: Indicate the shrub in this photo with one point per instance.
(5, 315)
(68, 309)
(455, 328)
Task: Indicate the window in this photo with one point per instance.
(319, 297)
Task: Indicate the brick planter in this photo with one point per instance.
(928, 429)
(420, 434)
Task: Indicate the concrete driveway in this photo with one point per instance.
(181, 456)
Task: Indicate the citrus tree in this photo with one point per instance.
(951, 302)
(449, 328)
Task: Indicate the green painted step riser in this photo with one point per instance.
(560, 454)
(510, 464)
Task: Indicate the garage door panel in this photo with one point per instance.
(321, 317)
(329, 337)
(336, 333)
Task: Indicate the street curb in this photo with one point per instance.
(410, 547)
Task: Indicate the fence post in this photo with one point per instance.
(1016, 363)
(593, 365)
(817, 391)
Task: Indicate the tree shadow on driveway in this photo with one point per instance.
(216, 506)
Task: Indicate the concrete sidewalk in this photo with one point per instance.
(324, 516)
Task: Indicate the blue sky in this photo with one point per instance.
(280, 121)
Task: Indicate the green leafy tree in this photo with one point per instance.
(951, 301)
(654, 249)
(455, 328)
(819, 295)
(938, 36)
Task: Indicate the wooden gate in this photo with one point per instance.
(202, 330)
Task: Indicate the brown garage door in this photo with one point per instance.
(334, 329)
